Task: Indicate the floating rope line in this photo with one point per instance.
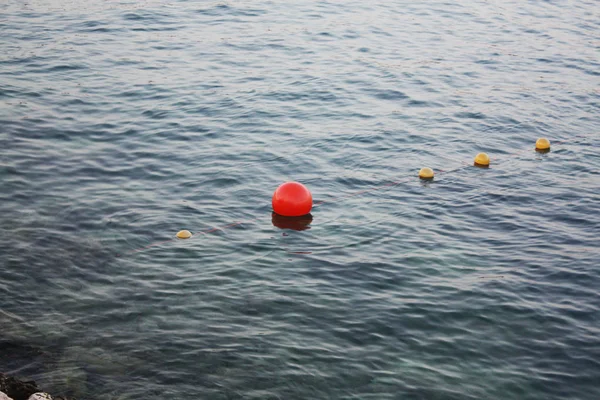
(205, 232)
(184, 234)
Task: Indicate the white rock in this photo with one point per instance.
(40, 396)
(3, 396)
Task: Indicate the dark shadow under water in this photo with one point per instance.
(295, 223)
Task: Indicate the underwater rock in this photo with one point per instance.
(22, 390)
(16, 389)
(18, 328)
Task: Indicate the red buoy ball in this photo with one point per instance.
(292, 199)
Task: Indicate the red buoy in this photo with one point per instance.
(292, 199)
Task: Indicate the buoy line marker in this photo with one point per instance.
(289, 205)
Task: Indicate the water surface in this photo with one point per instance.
(122, 122)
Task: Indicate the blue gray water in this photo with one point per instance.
(122, 122)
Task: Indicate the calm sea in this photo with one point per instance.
(123, 122)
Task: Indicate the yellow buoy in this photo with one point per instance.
(542, 144)
(482, 159)
(184, 234)
(426, 173)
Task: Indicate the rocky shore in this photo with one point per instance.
(14, 389)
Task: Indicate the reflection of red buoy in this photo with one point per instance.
(301, 223)
(292, 199)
